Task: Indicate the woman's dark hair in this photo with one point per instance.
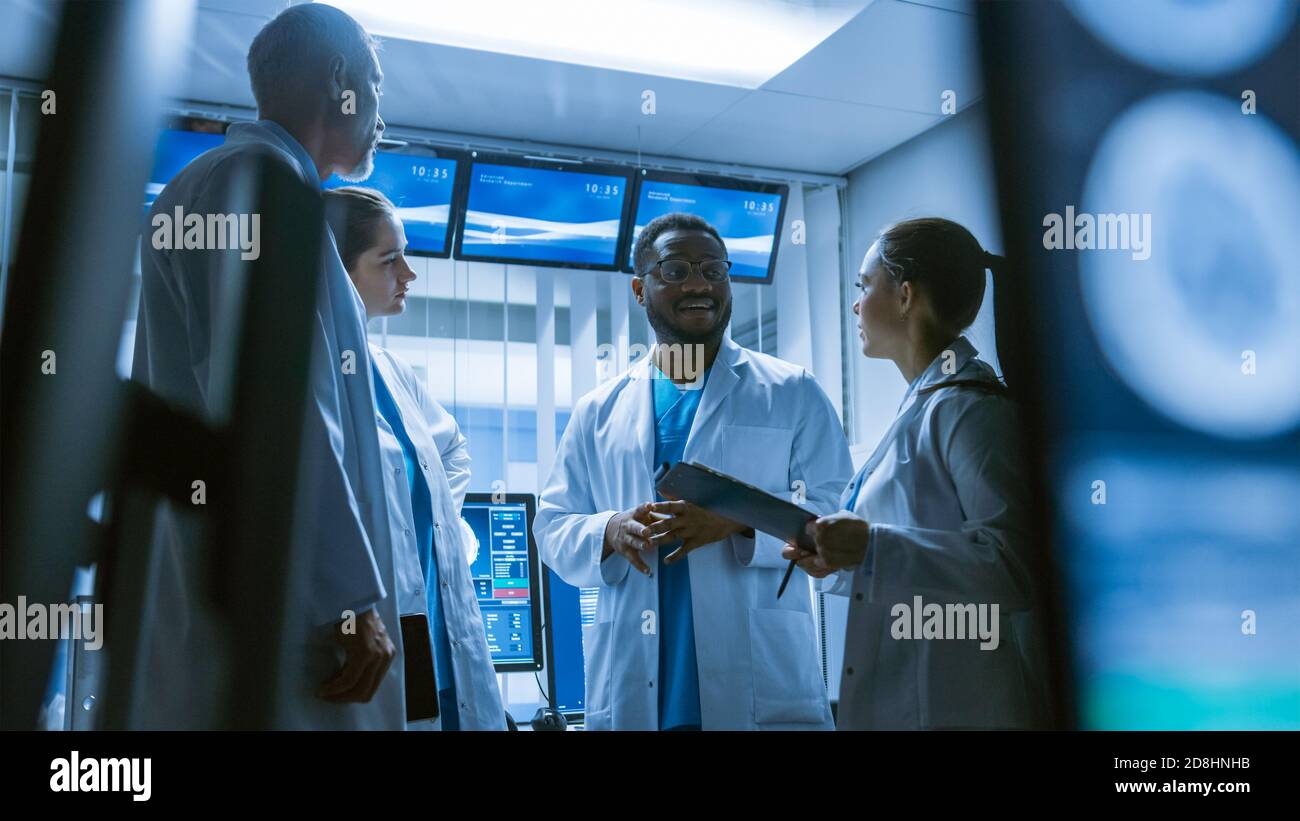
(946, 261)
(943, 259)
(353, 213)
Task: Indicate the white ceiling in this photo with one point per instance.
(873, 84)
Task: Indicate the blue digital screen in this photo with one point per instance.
(1180, 537)
(572, 609)
(542, 216)
(175, 150)
(421, 188)
(747, 220)
(503, 582)
(1171, 448)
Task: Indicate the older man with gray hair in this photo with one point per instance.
(316, 78)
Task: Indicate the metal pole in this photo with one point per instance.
(9, 200)
(62, 408)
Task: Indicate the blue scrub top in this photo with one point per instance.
(422, 509)
(679, 676)
(859, 480)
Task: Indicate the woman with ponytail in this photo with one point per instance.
(426, 474)
(931, 545)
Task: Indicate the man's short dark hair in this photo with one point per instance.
(290, 56)
(676, 221)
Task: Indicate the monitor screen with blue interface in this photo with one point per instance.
(423, 189)
(570, 609)
(504, 572)
(176, 149)
(1170, 449)
(543, 216)
(747, 215)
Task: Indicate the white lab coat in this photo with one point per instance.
(948, 509)
(760, 419)
(444, 459)
(185, 323)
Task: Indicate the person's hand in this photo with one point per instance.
(841, 540)
(627, 534)
(693, 525)
(807, 561)
(369, 655)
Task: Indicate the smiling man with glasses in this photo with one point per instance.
(697, 638)
(683, 280)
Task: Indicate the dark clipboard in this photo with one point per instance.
(728, 496)
(417, 659)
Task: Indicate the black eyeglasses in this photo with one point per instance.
(678, 270)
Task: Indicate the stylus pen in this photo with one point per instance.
(789, 571)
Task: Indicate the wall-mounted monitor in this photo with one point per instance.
(423, 185)
(747, 214)
(544, 212)
(176, 148)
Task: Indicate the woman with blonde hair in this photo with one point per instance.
(426, 469)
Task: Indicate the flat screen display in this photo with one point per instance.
(1170, 451)
(747, 215)
(555, 216)
(176, 149)
(505, 576)
(569, 610)
(423, 189)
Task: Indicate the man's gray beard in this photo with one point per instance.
(362, 171)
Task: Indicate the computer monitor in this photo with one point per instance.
(505, 574)
(747, 214)
(544, 212)
(176, 148)
(1167, 463)
(569, 609)
(423, 185)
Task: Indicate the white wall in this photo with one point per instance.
(946, 172)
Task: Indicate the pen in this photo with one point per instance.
(788, 572)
